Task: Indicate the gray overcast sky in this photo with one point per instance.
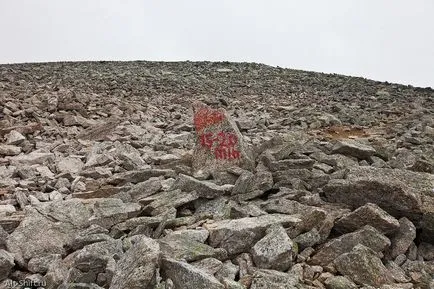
(387, 40)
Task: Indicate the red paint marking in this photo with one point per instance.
(223, 144)
(206, 117)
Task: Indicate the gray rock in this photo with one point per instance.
(289, 164)
(353, 148)
(399, 192)
(396, 272)
(175, 198)
(228, 270)
(219, 143)
(182, 247)
(218, 208)
(137, 176)
(363, 266)
(50, 240)
(237, 236)
(9, 150)
(6, 264)
(243, 184)
(209, 265)
(138, 266)
(368, 214)
(71, 165)
(199, 235)
(146, 188)
(275, 250)
(33, 158)
(308, 239)
(339, 282)
(185, 275)
(271, 279)
(367, 236)
(425, 250)
(94, 263)
(3, 236)
(42, 264)
(403, 238)
(14, 138)
(311, 216)
(205, 189)
(7, 209)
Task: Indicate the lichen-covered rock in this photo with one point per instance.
(219, 143)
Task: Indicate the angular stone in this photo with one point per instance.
(185, 275)
(289, 164)
(33, 158)
(275, 250)
(173, 198)
(209, 265)
(271, 279)
(311, 216)
(367, 236)
(199, 235)
(42, 264)
(14, 138)
(146, 188)
(353, 148)
(308, 239)
(425, 250)
(237, 236)
(181, 247)
(6, 264)
(403, 238)
(363, 266)
(227, 271)
(137, 176)
(9, 150)
(243, 184)
(219, 143)
(205, 189)
(368, 214)
(339, 282)
(398, 192)
(138, 266)
(69, 165)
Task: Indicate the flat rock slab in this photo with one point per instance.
(401, 193)
(367, 236)
(238, 236)
(205, 189)
(353, 148)
(219, 142)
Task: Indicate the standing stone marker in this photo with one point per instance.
(219, 143)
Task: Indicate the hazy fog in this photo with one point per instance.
(383, 40)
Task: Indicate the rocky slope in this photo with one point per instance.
(97, 187)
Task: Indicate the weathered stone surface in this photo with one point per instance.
(367, 236)
(209, 265)
(219, 143)
(275, 250)
(185, 275)
(70, 165)
(369, 214)
(403, 238)
(33, 158)
(182, 247)
(6, 264)
(425, 250)
(138, 266)
(271, 279)
(42, 264)
(14, 138)
(363, 266)
(205, 189)
(173, 198)
(353, 148)
(399, 192)
(311, 216)
(9, 150)
(237, 236)
(146, 188)
(339, 282)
